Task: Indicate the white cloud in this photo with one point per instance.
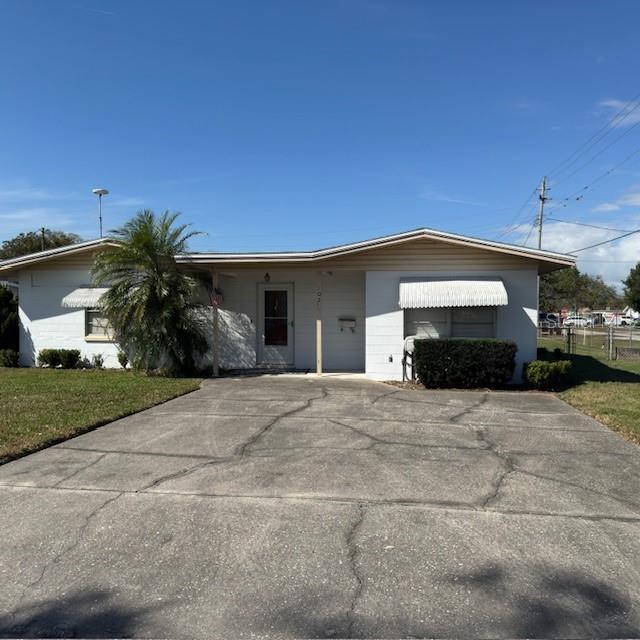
(127, 202)
(429, 193)
(611, 261)
(27, 193)
(630, 198)
(14, 221)
(613, 106)
(606, 207)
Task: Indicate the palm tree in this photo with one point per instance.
(151, 303)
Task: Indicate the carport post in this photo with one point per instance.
(319, 325)
(215, 281)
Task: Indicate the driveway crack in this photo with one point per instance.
(353, 552)
(507, 462)
(69, 548)
(241, 451)
(79, 469)
(468, 410)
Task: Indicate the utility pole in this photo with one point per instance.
(42, 238)
(543, 199)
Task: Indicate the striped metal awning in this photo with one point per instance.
(83, 297)
(426, 293)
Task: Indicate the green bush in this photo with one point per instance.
(123, 359)
(8, 320)
(464, 363)
(97, 361)
(547, 375)
(9, 358)
(65, 358)
(542, 353)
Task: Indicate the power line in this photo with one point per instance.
(590, 185)
(592, 246)
(516, 220)
(599, 153)
(605, 130)
(533, 226)
(584, 224)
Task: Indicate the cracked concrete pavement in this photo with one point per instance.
(299, 507)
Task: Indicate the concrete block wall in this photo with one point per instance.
(44, 324)
(385, 319)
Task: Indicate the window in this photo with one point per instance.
(457, 322)
(473, 322)
(275, 318)
(97, 326)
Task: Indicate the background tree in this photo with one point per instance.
(8, 320)
(632, 288)
(152, 304)
(573, 289)
(33, 241)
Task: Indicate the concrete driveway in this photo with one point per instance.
(292, 506)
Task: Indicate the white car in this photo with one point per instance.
(621, 321)
(577, 321)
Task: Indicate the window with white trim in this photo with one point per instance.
(97, 326)
(456, 322)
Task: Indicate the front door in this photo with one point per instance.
(275, 337)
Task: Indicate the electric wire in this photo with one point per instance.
(599, 135)
(598, 244)
(584, 224)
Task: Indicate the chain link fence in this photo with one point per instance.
(605, 342)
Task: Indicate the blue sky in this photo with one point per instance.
(285, 125)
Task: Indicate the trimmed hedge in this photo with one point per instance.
(9, 358)
(65, 358)
(547, 375)
(465, 363)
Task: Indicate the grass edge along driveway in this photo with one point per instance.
(40, 407)
(607, 390)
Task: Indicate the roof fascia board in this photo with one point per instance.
(323, 254)
(34, 258)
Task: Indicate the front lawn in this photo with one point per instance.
(607, 390)
(39, 407)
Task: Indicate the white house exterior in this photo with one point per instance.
(336, 309)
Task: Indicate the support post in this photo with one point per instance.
(215, 280)
(319, 325)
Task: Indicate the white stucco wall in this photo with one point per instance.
(385, 319)
(44, 324)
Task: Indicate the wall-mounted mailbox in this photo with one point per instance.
(347, 323)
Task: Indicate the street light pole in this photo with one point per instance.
(100, 193)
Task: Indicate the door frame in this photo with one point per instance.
(261, 287)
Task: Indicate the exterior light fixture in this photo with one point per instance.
(267, 277)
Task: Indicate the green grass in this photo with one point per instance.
(39, 407)
(609, 391)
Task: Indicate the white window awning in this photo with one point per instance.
(426, 293)
(83, 297)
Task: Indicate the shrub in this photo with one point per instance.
(97, 361)
(9, 358)
(547, 375)
(464, 363)
(8, 320)
(123, 359)
(65, 358)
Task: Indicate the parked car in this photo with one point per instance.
(621, 321)
(577, 321)
(548, 320)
